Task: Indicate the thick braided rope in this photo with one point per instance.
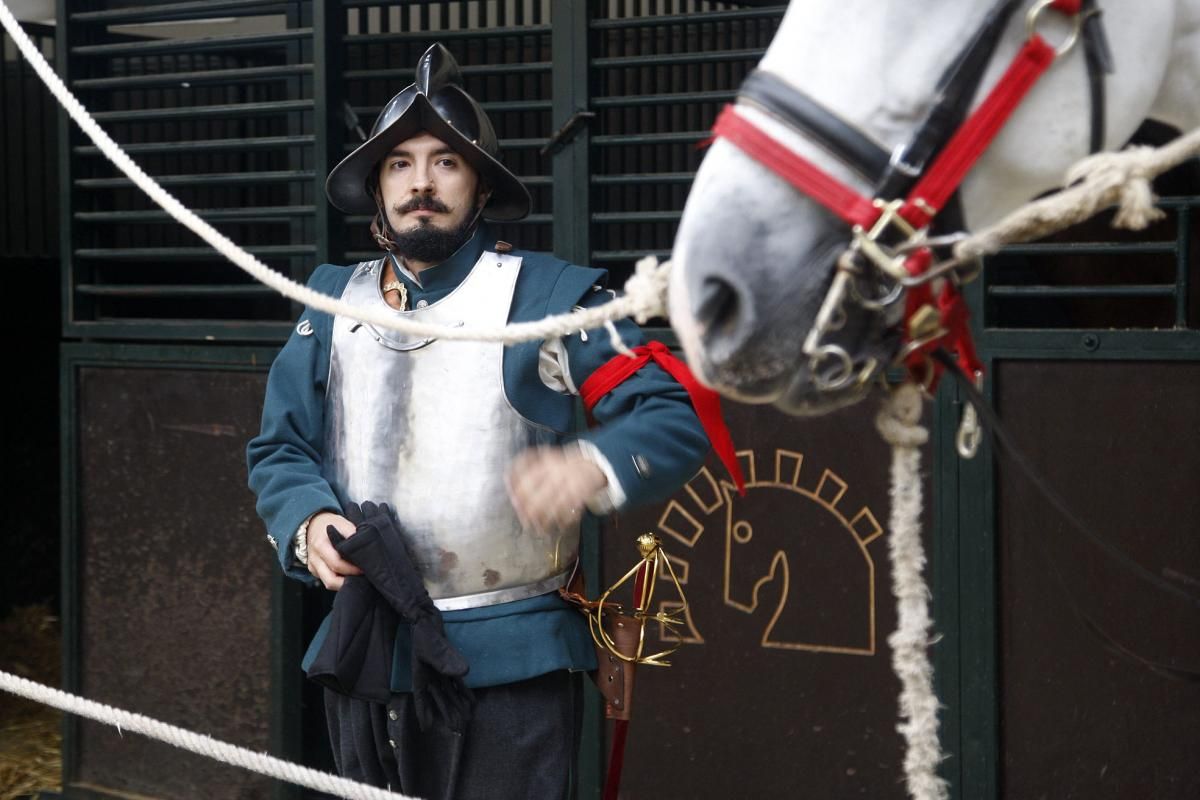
(1093, 184)
(643, 300)
(207, 746)
(898, 422)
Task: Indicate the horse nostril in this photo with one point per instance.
(718, 304)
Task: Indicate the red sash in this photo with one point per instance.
(706, 402)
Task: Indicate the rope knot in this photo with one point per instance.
(1125, 178)
(899, 419)
(646, 289)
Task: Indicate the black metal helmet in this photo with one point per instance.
(436, 104)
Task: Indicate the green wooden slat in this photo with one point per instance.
(687, 19)
(370, 112)
(643, 178)
(241, 214)
(1138, 290)
(629, 255)
(241, 74)
(195, 9)
(1086, 248)
(192, 112)
(191, 45)
(676, 137)
(1085, 343)
(189, 253)
(611, 217)
(329, 96)
(206, 330)
(204, 145)
(1183, 250)
(505, 144)
(487, 70)
(219, 178)
(671, 59)
(628, 101)
(1181, 201)
(172, 290)
(426, 36)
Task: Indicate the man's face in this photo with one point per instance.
(426, 185)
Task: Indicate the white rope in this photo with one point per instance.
(898, 423)
(1095, 182)
(644, 298)
(261, 763)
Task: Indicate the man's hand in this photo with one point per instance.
(323, 560)
(550, 486)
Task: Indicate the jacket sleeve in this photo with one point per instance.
(646, 427)
(284, 460)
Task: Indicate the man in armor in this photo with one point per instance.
(473, 447)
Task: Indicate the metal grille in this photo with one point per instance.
(244, 126)
(1093, 276)
(660, 73)
(224, 121)
(504, 51)
(28, 152)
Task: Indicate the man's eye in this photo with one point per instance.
(448, 162)
(399, 164)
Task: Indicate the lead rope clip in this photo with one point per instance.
(969, 431)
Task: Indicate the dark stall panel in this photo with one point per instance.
(1121, 442)
(785, 681)
(169, 582)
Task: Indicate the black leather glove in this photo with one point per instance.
(355, 658)
(377, 548)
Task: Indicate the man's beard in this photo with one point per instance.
(426, 242)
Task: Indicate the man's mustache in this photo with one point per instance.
(421, 204)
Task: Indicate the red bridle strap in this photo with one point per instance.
(969, 142)
(852, 207)
(925, 200)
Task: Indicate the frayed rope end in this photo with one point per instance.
(646, 289)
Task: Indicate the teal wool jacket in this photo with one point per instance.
(645, 428)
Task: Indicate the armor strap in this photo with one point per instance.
(705, 401)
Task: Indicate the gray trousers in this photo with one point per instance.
(522, 743)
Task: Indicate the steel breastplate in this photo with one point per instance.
(425, 426)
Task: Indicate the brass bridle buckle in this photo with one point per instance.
(887, 259)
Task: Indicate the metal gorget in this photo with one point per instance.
(425, 426)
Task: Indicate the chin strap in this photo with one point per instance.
(381, 227)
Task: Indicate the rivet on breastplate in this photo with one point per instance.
(422, 303)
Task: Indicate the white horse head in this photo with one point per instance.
(754, 257)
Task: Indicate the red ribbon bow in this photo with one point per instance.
(706, 402)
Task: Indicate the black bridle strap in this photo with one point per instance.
(847, 143)
(1099, 61)
(956, 89)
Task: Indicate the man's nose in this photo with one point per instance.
(422, 180)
